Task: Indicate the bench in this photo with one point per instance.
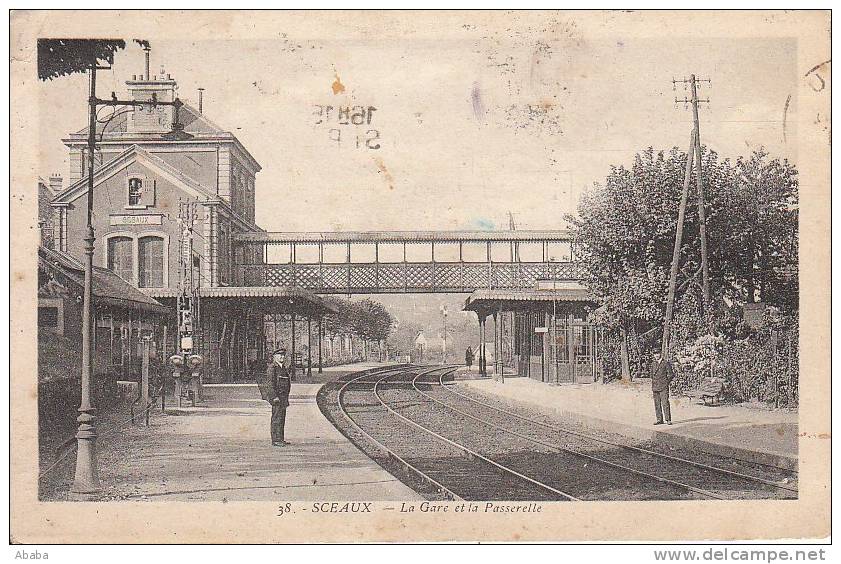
(711, 389)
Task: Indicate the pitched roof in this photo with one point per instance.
(135, 151)
(194, 123)
(80, 187)
(108, 288)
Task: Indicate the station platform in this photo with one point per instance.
(221, 451)
(745, 432)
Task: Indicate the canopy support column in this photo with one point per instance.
(482, 366)
(309, 345)
(292, 363)
(499, 362)
(320, 335)
(496, 344)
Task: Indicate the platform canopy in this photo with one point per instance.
(491, 300)
(108, 288)
(269, 299)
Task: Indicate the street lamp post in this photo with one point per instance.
(86, 479)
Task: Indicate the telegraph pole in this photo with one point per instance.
(705, 271)
(684, 196)
(702, 221)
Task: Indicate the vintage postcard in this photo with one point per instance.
(419, 276)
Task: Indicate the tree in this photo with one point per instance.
(624, 234)
(378, 322)
(366, 319)
(402, 339)
(62, 57)
(756, 228)
(371, 321)
(625, 229)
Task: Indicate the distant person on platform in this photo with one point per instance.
(275, 390)
(662, 375)
(468, 358)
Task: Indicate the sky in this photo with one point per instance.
(471, 121)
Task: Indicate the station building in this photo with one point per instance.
(174, 216)
(171, 192)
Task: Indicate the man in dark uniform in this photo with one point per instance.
(278, 384)
(662, 375)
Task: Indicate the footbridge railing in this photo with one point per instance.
(405, 262)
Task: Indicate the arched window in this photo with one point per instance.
(151, 259)
(135, 191)
(121, 257)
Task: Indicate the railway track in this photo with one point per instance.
(467, 448)
(452, 468)
(705, 479)
(430, 442)
(580, 478)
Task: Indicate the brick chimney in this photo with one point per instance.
(55, 183)
(145, 119)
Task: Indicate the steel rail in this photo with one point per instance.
(697, 464)
(559, 448)
(462, 447)
(390, 453)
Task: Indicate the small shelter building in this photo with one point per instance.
(541, 334)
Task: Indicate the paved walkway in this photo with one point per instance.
(221, 451)
(754, 434)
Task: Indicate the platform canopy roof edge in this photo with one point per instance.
(488, 300)
(271, 299)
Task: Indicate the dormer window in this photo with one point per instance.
(135, 191)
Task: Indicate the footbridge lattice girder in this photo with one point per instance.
(406, 276)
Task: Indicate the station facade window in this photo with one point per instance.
(151, 263)
(139, 259)
(121, 257)
(135, 191)
(140, 192)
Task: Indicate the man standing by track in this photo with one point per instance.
(662, 375)
(275, 389)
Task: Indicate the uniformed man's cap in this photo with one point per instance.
(279, 351)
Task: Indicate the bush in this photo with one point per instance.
(756, 364)
(696, 360)
(763, 366)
